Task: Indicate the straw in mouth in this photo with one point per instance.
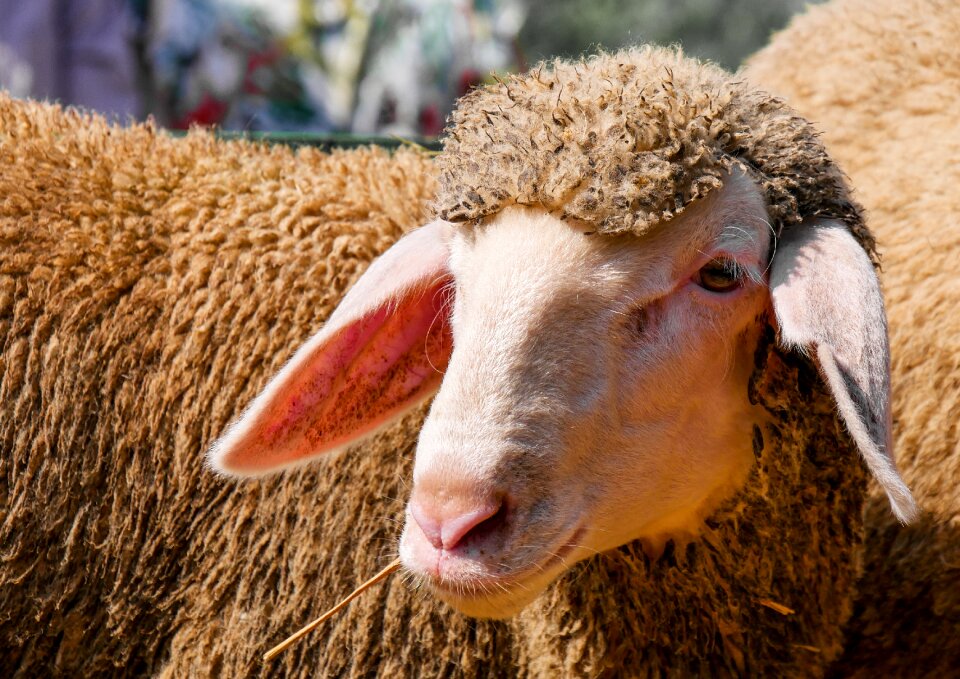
(286, 643)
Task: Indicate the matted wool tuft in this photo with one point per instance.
(626, 140)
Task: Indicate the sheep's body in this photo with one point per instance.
(883, 81)
(145, 285)
(151, 286)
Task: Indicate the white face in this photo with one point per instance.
(597, 393)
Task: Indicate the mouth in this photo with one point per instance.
(497, 595)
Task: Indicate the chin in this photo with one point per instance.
(480, 594)
(487, 583)
(492, 598)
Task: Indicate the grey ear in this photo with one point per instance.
(828, 304)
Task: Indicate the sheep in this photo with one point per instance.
(558, 191)
(885, 91)
(151, 287)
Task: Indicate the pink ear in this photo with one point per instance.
(382, 352)
(828, 302)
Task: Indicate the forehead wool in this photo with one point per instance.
(628, 140)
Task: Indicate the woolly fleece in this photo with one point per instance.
(625, 141)
(883, 80)
(149, 288)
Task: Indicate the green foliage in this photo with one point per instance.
(724, 31)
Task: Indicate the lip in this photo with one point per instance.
(483, 586)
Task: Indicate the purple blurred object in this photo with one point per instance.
(75, 51)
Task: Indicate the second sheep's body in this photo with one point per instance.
(150, 287)
(882, 80)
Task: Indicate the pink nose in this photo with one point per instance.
(448, 521)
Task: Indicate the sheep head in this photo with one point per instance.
(593, 379)
(596, 394)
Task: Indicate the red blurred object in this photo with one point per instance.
(266, 59)
(469, 78)
(431, 121)
(210, 111)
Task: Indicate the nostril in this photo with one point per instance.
(430, 526)
(473, 525)
(449, 524)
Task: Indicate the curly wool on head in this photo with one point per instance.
(627, 140)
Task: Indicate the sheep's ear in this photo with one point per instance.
(382, 352)
(828, 303)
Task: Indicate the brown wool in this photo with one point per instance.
(149, 288)
(626, 140)
(887, 100)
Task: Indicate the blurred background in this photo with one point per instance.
(319, 66)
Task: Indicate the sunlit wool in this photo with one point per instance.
(885, 92)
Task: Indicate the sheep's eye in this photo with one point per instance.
(719, 275)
